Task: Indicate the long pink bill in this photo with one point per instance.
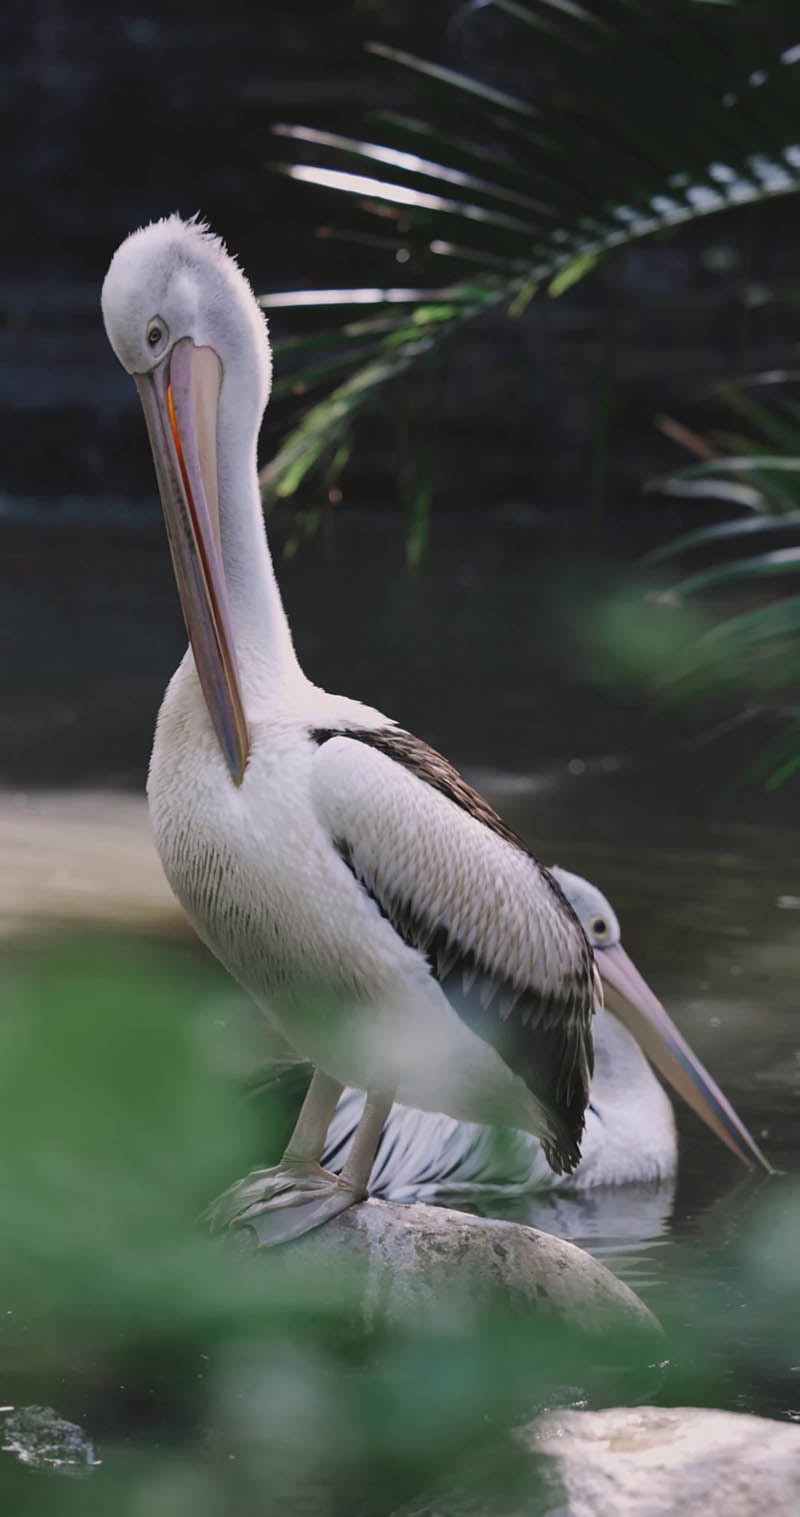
(179, 399)
(632, 1000)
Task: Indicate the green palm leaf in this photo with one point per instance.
(758, 646)
(725, 531)
(758, 566)
(644, 118)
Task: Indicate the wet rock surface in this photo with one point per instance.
(39, 1438)
(415, 1259)
(628, 1461)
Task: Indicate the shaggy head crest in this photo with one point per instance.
(179, 275)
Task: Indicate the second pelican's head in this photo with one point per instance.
(632, 1001)
(183, 321)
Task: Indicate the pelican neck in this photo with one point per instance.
(262, 638)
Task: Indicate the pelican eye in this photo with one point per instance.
(598, 927)
(156, 332)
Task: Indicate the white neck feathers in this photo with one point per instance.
(263, 642)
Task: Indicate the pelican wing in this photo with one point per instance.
(460, 887)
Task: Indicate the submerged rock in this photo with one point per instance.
(38, 1437)
(416, 1259)
(627, 1461)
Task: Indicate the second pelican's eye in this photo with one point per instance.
(599, 929)
(156, 332)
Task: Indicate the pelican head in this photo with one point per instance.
(630, 998)
(184, 323)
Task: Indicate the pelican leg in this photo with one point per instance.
(298, 1194)
(357, 1167)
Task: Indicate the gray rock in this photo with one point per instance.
(38, 1437)
(651, 1461)
(417, 1259)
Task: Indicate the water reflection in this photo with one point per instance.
(620, 1224)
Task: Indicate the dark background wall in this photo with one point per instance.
(113, 115)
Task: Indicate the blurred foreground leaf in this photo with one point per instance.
(119, 1120)
(117, 1125)
(211, 1381)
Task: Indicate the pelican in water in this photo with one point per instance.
(398, 935)
(629, 1136)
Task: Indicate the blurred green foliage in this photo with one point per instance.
(204, 1374)
(756, 553)
(628, 119)
(211, 1380)
(722, 628)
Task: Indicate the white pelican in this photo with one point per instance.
(396, 932)
(630, 1135)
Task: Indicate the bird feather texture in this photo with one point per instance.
(459, 886)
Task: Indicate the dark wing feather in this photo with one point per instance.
(500, 937)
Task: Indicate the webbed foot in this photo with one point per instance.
(281, 1203)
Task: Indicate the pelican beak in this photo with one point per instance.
(632, 1000)
(180, 399)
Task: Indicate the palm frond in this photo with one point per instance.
(641, 118)
(762, 643)
(756, 474)
(725, 531)
(757, 566)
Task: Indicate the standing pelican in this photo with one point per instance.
(398, 934)
(630, 1135)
